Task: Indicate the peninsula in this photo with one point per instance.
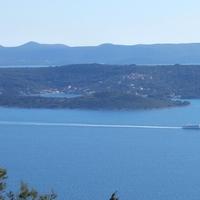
(95, 86)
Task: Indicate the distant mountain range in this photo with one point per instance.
(33, 53)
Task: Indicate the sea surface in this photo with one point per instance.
(24, 66)
(86, 163)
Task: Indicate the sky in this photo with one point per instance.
(93, 22)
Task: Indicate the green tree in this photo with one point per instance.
(114, 196)
(24, 193)
(2, 183)
(27, 193)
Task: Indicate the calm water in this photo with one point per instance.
(59, 95)
(87, 163)
(24, 66)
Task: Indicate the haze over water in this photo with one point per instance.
(82, 163)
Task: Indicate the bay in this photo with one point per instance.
(92, 162)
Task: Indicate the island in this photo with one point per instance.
(98, 86)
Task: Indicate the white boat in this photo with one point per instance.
(191, 126)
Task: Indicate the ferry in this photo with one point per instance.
(191, 126)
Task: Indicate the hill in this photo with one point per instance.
(98, 86)
(33, 53)
(153, 81)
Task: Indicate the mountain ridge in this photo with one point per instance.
(103, 44)
(33, 53)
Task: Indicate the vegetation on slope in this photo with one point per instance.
(103, 100)
(127, 86)
(24, 193)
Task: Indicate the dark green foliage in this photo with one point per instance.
(27, 193)
(2, 182)
(105, 100)
(24, 193)
(114, 196)
(101, 86)
(155, 81)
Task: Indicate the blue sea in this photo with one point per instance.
(85, 163)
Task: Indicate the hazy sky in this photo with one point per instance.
(91, 22)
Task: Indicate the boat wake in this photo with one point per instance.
(17, 123)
